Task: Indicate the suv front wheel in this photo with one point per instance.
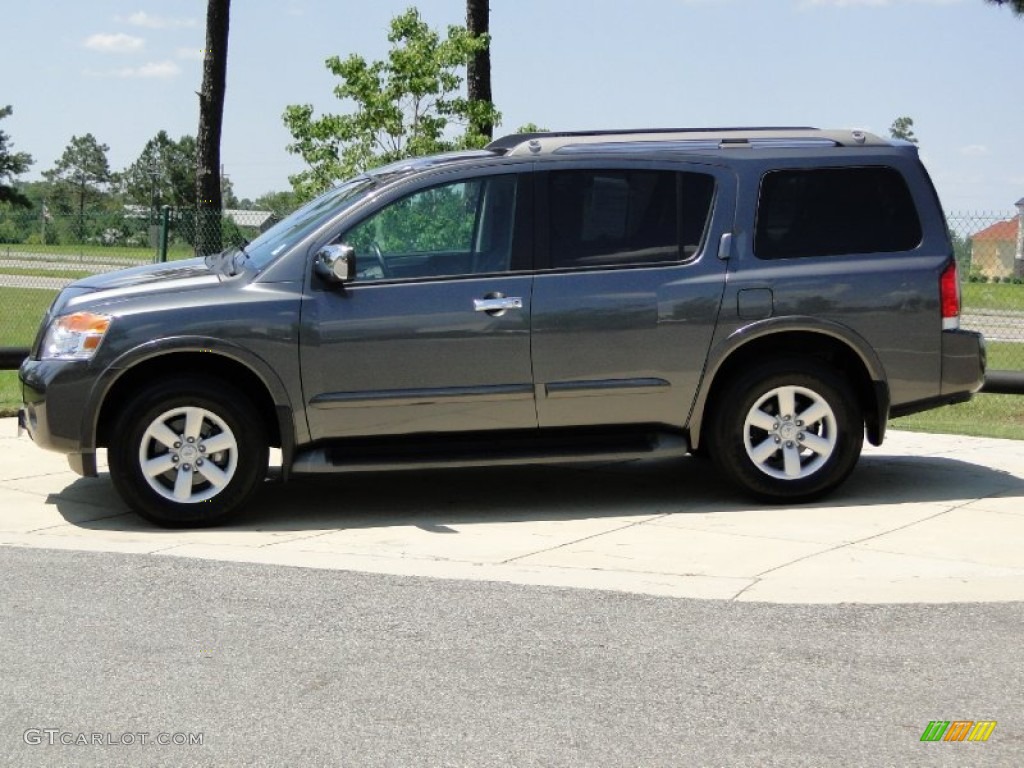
(787, 431)
(187, 452)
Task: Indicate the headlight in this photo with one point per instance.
(74, 337)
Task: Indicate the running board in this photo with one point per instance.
(486, 450)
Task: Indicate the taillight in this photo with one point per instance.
(949, 292)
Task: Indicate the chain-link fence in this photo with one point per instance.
(990, 252)
(39, 254)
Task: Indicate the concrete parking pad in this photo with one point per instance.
(926, 518)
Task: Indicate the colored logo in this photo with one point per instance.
(958, 730)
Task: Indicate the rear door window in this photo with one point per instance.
(609, 218)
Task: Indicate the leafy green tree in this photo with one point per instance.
(209, 193)
(80, 178)
(903, 128)
(404, 106)
(11, 164)
(1016, 5)
(163, 174)
(281, 203)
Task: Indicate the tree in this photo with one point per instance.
(478, 71)
(903, 128)
(1017, 6)
(81, 175)
(281, 203)
(211, 117)
(164, 173)
(11, 164)
(404, 106)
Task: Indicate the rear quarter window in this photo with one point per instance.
(835, 211)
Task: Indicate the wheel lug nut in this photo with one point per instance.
(778, 439)
(174, 458)
(191, 439)
(177, 444)
(800, 436)
(202, 448)
(199, 462)
(775, 425)
(799, 423)
(789, 443)
(187, 467)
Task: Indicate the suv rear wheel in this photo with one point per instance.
(787, 431)
(187, 452)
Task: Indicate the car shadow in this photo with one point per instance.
(439, 499)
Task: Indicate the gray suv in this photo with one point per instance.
(763, 296)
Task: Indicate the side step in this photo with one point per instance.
(438, 451)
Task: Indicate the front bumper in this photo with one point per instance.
(54, 411)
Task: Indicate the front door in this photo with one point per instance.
(433, 335)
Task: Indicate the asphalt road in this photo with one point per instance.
(271, 665)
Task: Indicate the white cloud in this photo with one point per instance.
(157, 69)
(115, 43)
(974, 150)
(143, 19)
(153, 69)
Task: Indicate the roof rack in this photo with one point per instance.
(679, 139)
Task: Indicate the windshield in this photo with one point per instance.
(290, 230)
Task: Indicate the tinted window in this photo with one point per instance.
(461, 228)
(611, 218)
(835, 211)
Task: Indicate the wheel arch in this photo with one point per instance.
(830, 343)
(259, 383)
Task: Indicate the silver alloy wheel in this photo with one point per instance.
(188, 455)
(790, 432)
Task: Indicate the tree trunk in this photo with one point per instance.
(211, 114)
(478, 74)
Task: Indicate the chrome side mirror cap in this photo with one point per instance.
(336, 263)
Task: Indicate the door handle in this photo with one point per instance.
(497, 305)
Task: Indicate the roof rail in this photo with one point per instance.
(667, 139)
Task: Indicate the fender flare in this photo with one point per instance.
(151, 350)
(726, 348)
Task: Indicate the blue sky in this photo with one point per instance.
(125, 69)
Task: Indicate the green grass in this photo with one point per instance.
(74, 274)
(984, 416)
(992, 296)
(21, 310)
(114, 252)
(1005, 356)
(10, 393)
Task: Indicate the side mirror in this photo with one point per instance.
(336, 263)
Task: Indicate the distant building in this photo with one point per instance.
(259, 220)
(998, 250)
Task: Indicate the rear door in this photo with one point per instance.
(625, 305)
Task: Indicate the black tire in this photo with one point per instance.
(787, 460)
(202, 484)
